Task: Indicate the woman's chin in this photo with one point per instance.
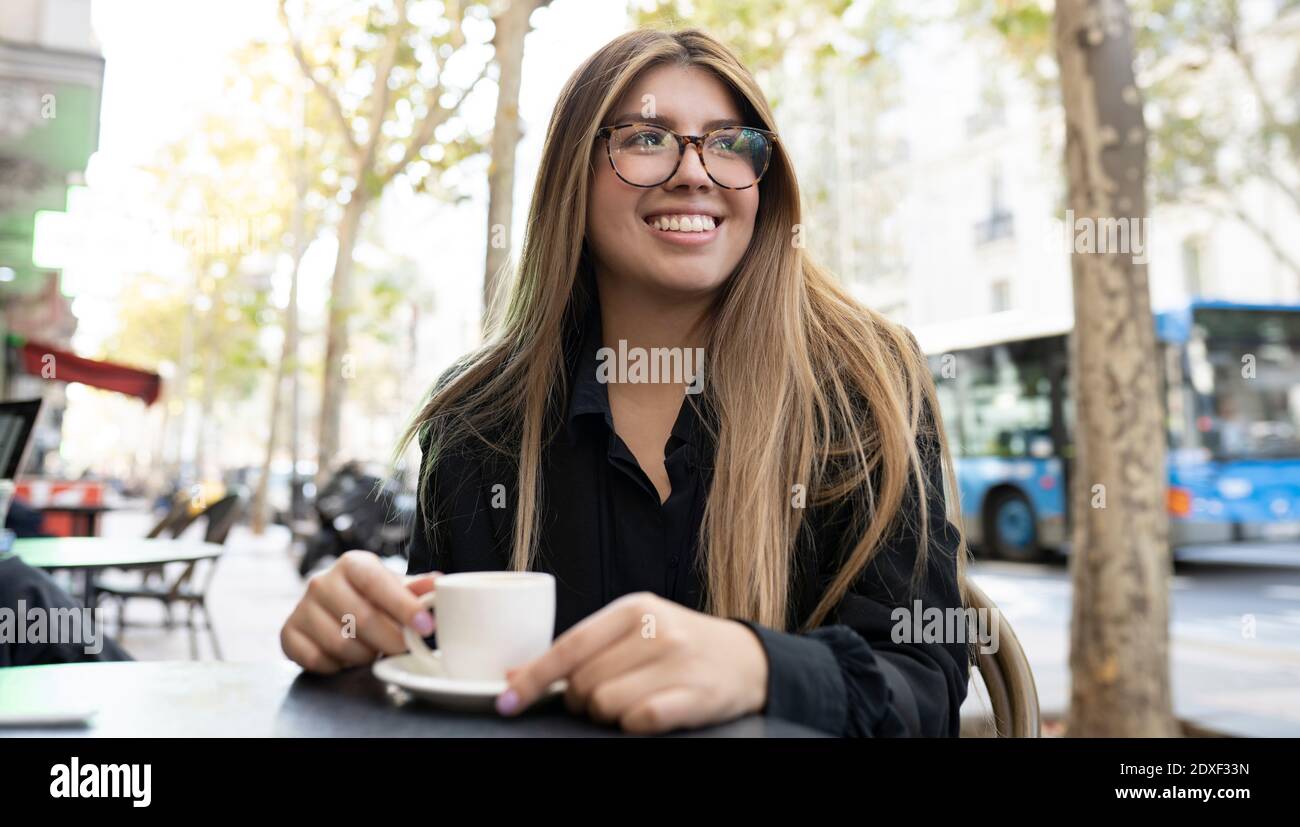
(686, 281)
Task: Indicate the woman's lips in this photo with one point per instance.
(659, 226)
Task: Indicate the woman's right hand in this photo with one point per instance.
(354, 611)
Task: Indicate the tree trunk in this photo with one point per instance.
(511, 27)
(338, 366)
(1119, 653)
(289, 351)
(181, 384)
(259, 517)
(292, 331)
(207, 397)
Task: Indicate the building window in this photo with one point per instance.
(1193, 280)
(990, 112)
(998, 224)
(1000, 298)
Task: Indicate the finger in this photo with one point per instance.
(304, 652)
(626, 655)
(421, 584)
(677, 707)
(379, 631)
(326, 631)
(613, 698)
(369, 576)
(571, 649)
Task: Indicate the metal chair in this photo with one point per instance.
(179, 510)
(1007, 677)
(180, 517)
(221, 517)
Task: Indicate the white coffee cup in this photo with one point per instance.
(487, 622)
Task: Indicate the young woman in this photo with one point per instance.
(738, 540)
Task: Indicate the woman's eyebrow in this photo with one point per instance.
(671, 123)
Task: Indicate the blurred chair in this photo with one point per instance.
(177, 519)
(1007, 677)
(186, 589)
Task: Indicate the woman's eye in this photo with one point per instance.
(729, 142)
(645, 140)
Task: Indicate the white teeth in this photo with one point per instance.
(684, 223)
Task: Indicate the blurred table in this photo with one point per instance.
(90, 554)
(205, 699)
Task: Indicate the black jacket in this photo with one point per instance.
(605, 534)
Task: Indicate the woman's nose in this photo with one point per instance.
(690, 172)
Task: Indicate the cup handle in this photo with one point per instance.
(413, 640)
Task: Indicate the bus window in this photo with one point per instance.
(1248, 396)
(1005, 399)
(1180, 414)
(946, 368)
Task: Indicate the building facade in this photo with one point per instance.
(51, 77)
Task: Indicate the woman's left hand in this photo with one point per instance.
(650, 664)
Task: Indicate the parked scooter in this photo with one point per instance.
(358, 510)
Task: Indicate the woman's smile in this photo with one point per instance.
(689, 229)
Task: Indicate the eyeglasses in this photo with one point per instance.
(647, 155)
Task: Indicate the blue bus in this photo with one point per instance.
(1230, 377)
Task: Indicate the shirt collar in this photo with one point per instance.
(589, 397)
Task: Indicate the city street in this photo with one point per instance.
(1229, 675)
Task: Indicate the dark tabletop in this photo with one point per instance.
(104, 552)
(190, 699)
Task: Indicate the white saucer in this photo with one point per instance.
(430, 682)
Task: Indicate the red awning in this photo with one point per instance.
(48, 362)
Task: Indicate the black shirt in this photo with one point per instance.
(604, 533)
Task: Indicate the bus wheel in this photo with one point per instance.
(1012, 534)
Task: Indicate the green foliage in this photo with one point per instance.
(1026, 26)
(760, 31)
(764, 32)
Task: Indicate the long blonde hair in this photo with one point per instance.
(806, 386)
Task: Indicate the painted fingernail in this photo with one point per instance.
(507, 701)
(423, 622)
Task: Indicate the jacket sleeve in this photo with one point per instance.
(865, 671)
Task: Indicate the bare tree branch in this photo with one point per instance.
(1270, 241)
(1272, 123)
(331, 99)
(1270, 174)
(436, 117)
(1230, 208)
(380, 92)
